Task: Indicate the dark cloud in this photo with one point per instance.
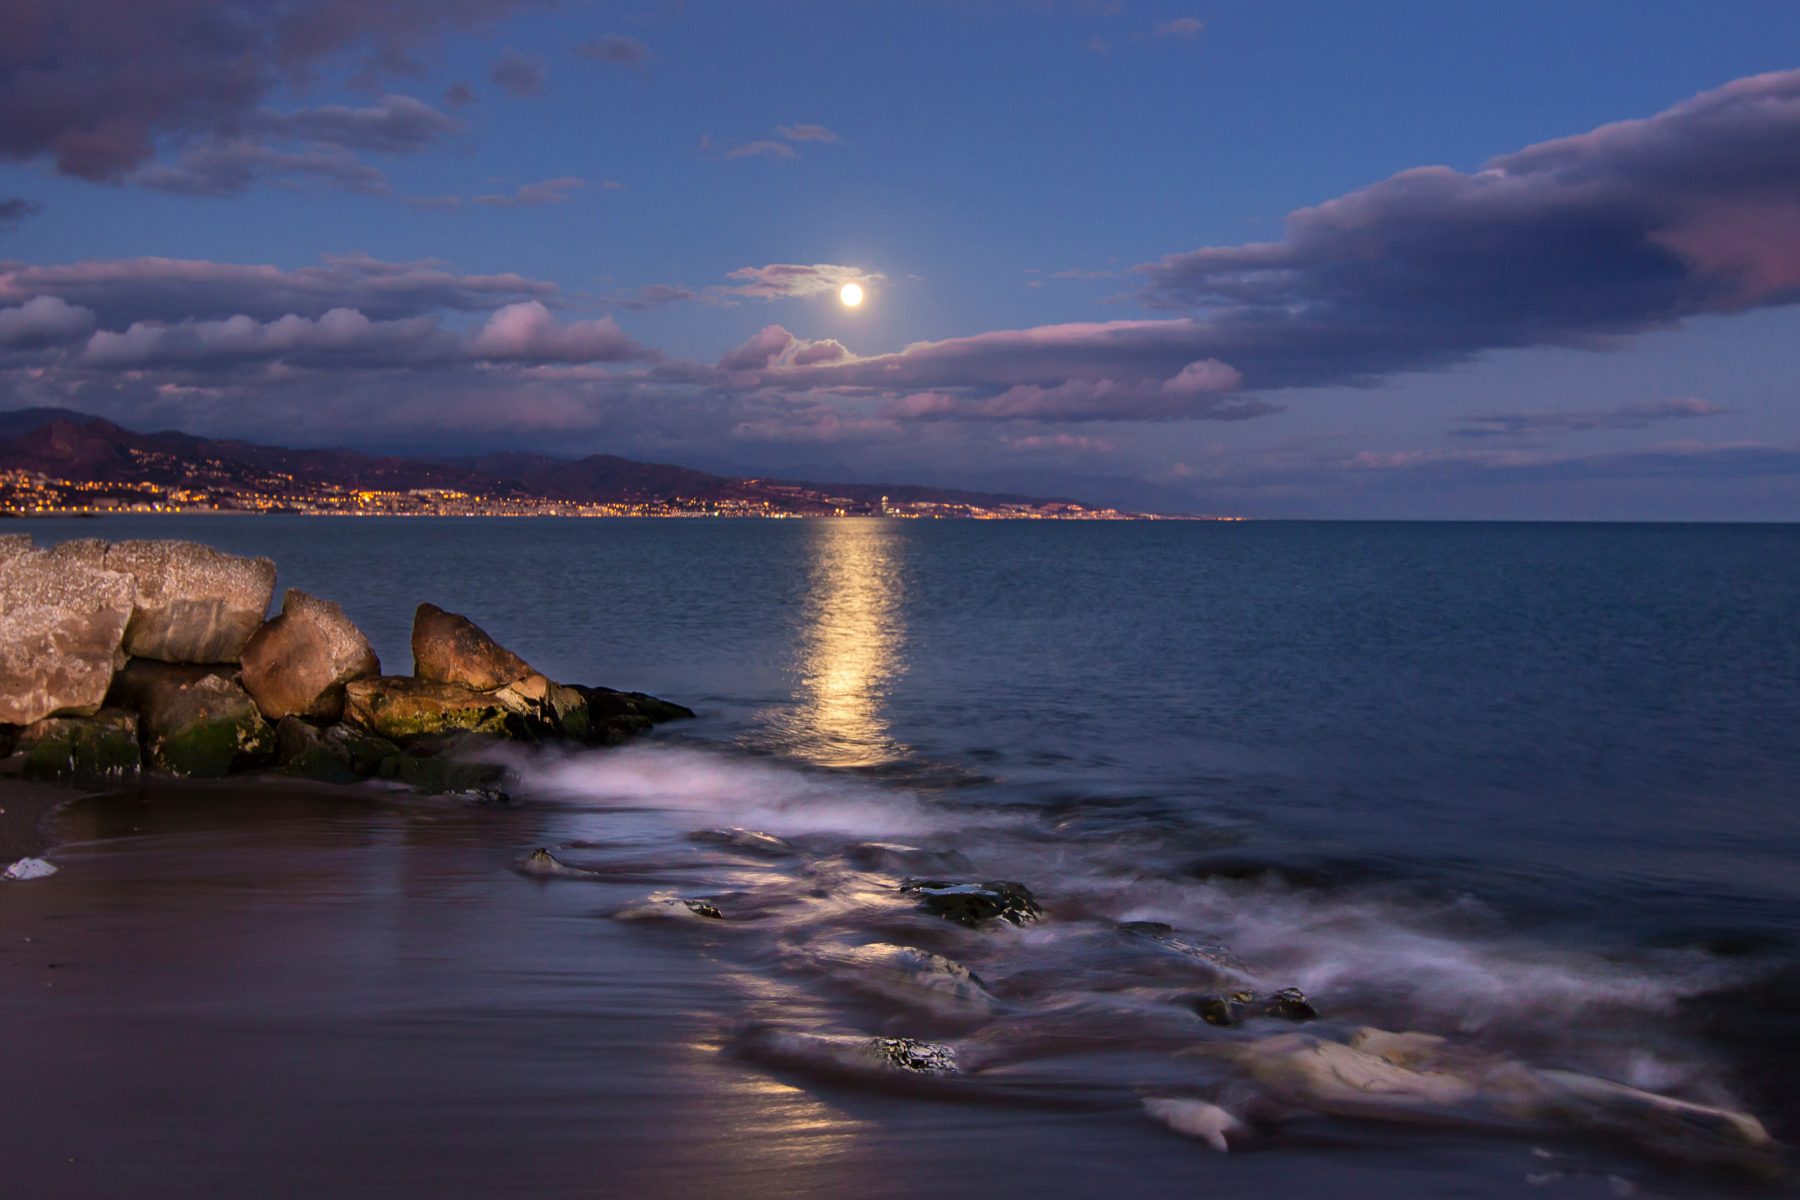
(43, 321)
(121, 291)
(15, 210)
(1631, 227)
(519, 73)
(615, 49)
(94, 85)
(393, 125)
(228, 166)
(459, 94)
(1639, 415)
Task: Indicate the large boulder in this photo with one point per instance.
(207, 728)
(450, 648)
(62, 617)
(103, 746)
(14, 544)
(297, 664)
(194, 604)
(401, 708)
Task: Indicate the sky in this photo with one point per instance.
(1398, 260)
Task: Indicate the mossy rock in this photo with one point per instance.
(331, 754)
(213, 747)
(100, 747)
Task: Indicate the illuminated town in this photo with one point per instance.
(30, 493)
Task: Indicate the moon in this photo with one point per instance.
(851, 294)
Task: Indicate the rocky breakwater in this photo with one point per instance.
(156, 655)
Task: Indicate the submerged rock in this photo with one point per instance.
(63, 617)
(103, 746)
(194, 604)
(297, 664)
(908, 975)
(972, 904)
(1166, 936)
(1232, 1007)
(666, 905)
(542, 862)
(449, 648)
(1419, 1077)
(749, 840)
(206, 728)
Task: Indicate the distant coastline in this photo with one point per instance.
(55, 463)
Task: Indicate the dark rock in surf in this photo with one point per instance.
(972, 904)
(334, 754)
(1165, 936)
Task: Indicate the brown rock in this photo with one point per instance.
(449, 648)
(14, 544)
(297, 664)
(194, 604)
(62, 616)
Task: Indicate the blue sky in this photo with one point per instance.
(600, 190)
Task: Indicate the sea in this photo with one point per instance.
(1530, 789)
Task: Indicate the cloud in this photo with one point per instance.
(14, 210)
(1575, 242)
(536, 195)
(459, 94)
(1180, 27)
(787, 281)
(527, 332)
(807, 133)
(1638, 415)
(228, 167)
(616, 50)
(519, 73)
(95, 85)
(341, 335)
(393, 125)
(43, 321)
(172, 289)
(762, 149)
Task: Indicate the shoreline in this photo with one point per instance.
(25, 809)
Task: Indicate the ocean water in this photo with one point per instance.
(1531, 788)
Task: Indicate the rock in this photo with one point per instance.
(194, 604)
(615, 716)
(28, 868)
(1228, 1009)
(334, 754)
(62, 618)
(400, 707)
(103, 746)
(205, 728)
(143, 684)
(856, 1055)
(450, 648)
(297, 664)
(14, 544)
(973, 903)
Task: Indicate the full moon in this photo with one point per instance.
(851, 295)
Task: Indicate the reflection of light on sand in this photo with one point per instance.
(784, 1134)
(851, 646)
